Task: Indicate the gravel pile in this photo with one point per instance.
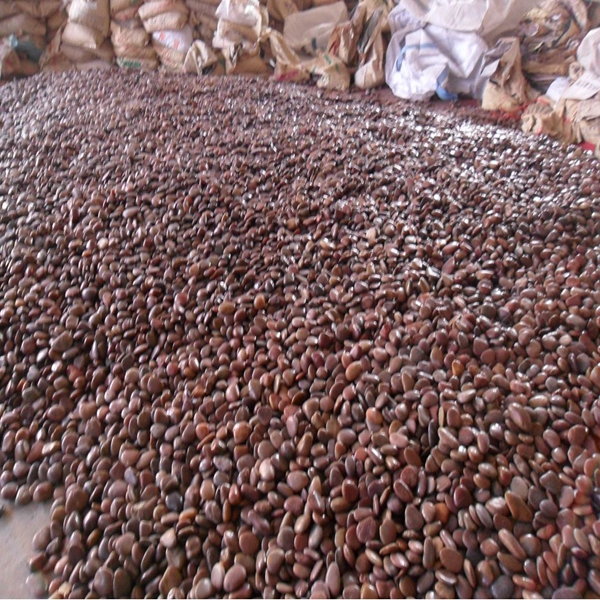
(265, 341)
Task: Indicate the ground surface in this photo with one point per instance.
(17, 529)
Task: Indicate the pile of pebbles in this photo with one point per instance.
(260, 340)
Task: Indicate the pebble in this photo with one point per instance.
(169, 538)
(551, 482)
(122, 585)
(566, 592)
(366, 530)
(333, 580)
(154, 386)
(103, 581)
(275, 560)
(520, 417)
(171, 579)
(62, 343)
(594, 376)
(503, 587)
(387, 531)
(217, 576)
(354, 371)
(42, 492)
(298, 480)
(249, 543)
(234, 578)
(451, 559)
(241, 432)
(76, 499)
(429, 553)
(203, 589)
(512, 544)
(41, 539)
(124, 544)
(518, 508)
(413, 518)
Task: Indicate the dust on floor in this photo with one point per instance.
(17, 528)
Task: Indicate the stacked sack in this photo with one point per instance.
(56, 19)
(203, 18)
(360, 44)
(241, 36)
(551, 33)
(570, 109)
(279, 10)
(23, 29)
(307, 47)
(172, 46)
(83, 41)
(10, 64)
(131, 42)
(167, 22)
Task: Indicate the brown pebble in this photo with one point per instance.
(122, 584)
(76, 499)
(354, 371)
(512, 544)
(217, 576)
(103, 581)
(249, 543)
(413, 518)
(503, 587)
(594, 376)
(275, 560)
(169, 538)
(227, 308)
(36, 585)
(520, 417)
(203, 589)
(298, 480)
(154, 386)
(366, 530)
(387, 531)
(566, 593)
(41, 539)
(234, 578)
(429, 553)
(451, 559)
(333, 580)
(63, 342)
(171, 579)
(518, 508)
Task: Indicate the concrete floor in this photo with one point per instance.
(17, 528)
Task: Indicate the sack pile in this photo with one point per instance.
(166, 22)
(551, 33)
(56, 19)
(280, 10)
(130, 40)
(23, 31)
(241, 36)
(540, 56)
(203, 19)
(508, 89)
(570, 109)
(202, 60)
(360, 43)
(172, 46)
(83, 41)
(10, 64)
